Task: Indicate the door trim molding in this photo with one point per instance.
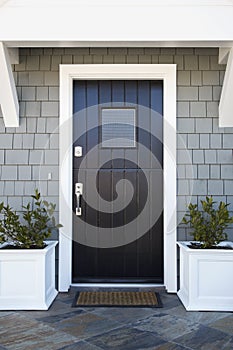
(68, 73)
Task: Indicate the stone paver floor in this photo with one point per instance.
(167, 328)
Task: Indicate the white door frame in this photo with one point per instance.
(68, 73)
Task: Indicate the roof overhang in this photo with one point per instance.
(116, 22)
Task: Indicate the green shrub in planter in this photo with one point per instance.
(209, 223)
(30, 231)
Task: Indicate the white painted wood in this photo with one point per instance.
(164, 72)
(65, 171)
(8, 94)
(173, 17)
(119, 43)
(226, 101)
(14, 55)
(76, 3)
(205, 279)
(223, 55)
(169, 153)
(27, 279)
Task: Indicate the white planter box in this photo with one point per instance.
(27, 278)
(206, 278)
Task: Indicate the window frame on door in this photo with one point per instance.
(69, 73)
(101, 123)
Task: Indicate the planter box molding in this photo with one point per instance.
(206, 278)
(27, 278)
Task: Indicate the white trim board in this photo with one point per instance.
(139, 22)
(226, 101)
(76, 3)
(119, 43)
(8, 94)
(165, 72)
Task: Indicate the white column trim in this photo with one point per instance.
(165, 72)
(226, 101)
(8, 94)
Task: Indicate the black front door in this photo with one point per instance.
(118, 219)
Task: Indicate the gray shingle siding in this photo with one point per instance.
(30, 152)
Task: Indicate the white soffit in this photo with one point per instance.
(75, 3)
(8, 95)
(89, 22)
(226, 100)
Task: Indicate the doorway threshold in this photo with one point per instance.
(118, 285)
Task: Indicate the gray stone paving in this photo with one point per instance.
(167, 328)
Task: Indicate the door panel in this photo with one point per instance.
(121, 185)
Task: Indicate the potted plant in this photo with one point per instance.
(206, 264)
(27, 261)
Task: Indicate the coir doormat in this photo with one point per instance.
(117, 299)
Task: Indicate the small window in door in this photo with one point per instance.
(118, 127)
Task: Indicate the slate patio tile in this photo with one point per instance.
(204, 338)
(224, 324)
(5, 313)
(167, 326)
(66, 298)
(81, 345)
(229, 344)
(203, 317)
(56, 308)
(124, 315)
(85, 325)
(126, 338)
(19, 333)
(60, 317)
(171, 346)
(170, 300)
(64, 327)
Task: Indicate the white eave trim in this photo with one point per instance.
(8, 94)
(116, 21)
(226, 100)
